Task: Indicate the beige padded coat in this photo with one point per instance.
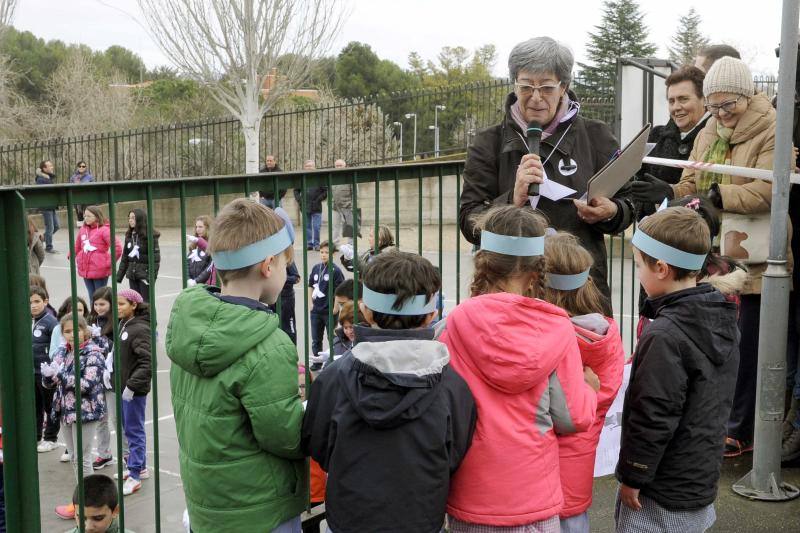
(753, 146)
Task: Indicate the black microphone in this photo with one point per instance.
(534, 135)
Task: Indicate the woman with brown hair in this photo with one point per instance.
(92, 249)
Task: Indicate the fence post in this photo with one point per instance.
(116, 159)
(21, 466)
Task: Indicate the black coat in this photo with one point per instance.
(677, 404)
(586, 146)
(41, 334)
(389, 441)
(134, 354)
(270, 194)
(199, 271)
(669, 145)
(314, 198)
(136, 268)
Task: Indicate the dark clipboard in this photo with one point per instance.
(620, 169)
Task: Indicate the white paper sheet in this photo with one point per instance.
(551, 190)
(608, 448)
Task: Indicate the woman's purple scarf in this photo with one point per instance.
(567, 109)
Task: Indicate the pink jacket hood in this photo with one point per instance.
(512, 342)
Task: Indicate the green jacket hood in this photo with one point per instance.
(201, 327)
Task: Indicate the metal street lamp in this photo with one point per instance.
(439, 107)
(400, 125)
(409, 115)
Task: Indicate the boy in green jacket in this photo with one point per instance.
(234, 383)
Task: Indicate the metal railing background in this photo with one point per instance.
(360, 131)
(16, 383)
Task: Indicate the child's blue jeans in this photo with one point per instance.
(313, 227)
(133, 421)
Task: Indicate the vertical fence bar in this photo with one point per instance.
(76, 352)
(151, 277)
(458, 237)
(441, 242)
(184, 260)
(397, 208)
(331, 249)
(17, 383)
(356, 261)
(419, 212)
(112, 214)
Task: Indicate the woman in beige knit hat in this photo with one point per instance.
(741, 132)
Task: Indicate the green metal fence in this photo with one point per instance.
(437, 187)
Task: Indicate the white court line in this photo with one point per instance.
(162, 371)
(169, 294)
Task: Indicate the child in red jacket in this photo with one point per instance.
(519, 356)
(570, 287)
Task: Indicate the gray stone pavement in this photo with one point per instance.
(735, 514)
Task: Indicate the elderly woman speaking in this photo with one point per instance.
(499, 168)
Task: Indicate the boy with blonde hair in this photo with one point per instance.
(681, 385)
(234, 383)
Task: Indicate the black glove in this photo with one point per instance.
(714, 196)
(650, 190)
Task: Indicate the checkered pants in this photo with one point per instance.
(549, 525)
(653, 518)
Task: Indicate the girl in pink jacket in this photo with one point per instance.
(92, 249)
(570, 287)
(520, 358)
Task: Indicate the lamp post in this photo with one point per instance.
(439, 107)
(400, 125)
(409, 115)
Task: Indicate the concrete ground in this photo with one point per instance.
(734, 513)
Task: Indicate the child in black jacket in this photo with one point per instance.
(682, 383)
(134, 264)
(390, 421)
(42, 326)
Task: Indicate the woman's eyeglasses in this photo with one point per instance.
(545, 90)
(81, 166)
(728, 106)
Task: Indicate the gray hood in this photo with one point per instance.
(394, 376)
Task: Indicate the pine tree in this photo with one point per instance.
(622, 33)
(687, 40)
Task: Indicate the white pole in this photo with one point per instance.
(745, 172)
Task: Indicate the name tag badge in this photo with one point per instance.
(37, 333)
(567, 168)
(124, 336)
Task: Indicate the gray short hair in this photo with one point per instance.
(539, 55)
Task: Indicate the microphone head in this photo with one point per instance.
(534, 127)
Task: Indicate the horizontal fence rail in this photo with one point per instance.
(418, 202)
(362, 132)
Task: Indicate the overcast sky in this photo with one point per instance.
(394, 28)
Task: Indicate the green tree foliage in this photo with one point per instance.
(621, 33)
(34, 61)
(360, 72)
(455, 65)
(688, 40)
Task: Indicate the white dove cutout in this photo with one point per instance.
(134, 253)
(195, 256)
(87, 247)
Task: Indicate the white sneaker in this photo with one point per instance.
(131, 485)
(144, 474)
(65, 457)
(46, 446)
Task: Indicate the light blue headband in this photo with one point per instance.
(253, 253)
(664, 252)
(382, 303)
(567, 282)
(508, 245)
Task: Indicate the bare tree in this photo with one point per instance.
(233, 45)
(7, 8)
